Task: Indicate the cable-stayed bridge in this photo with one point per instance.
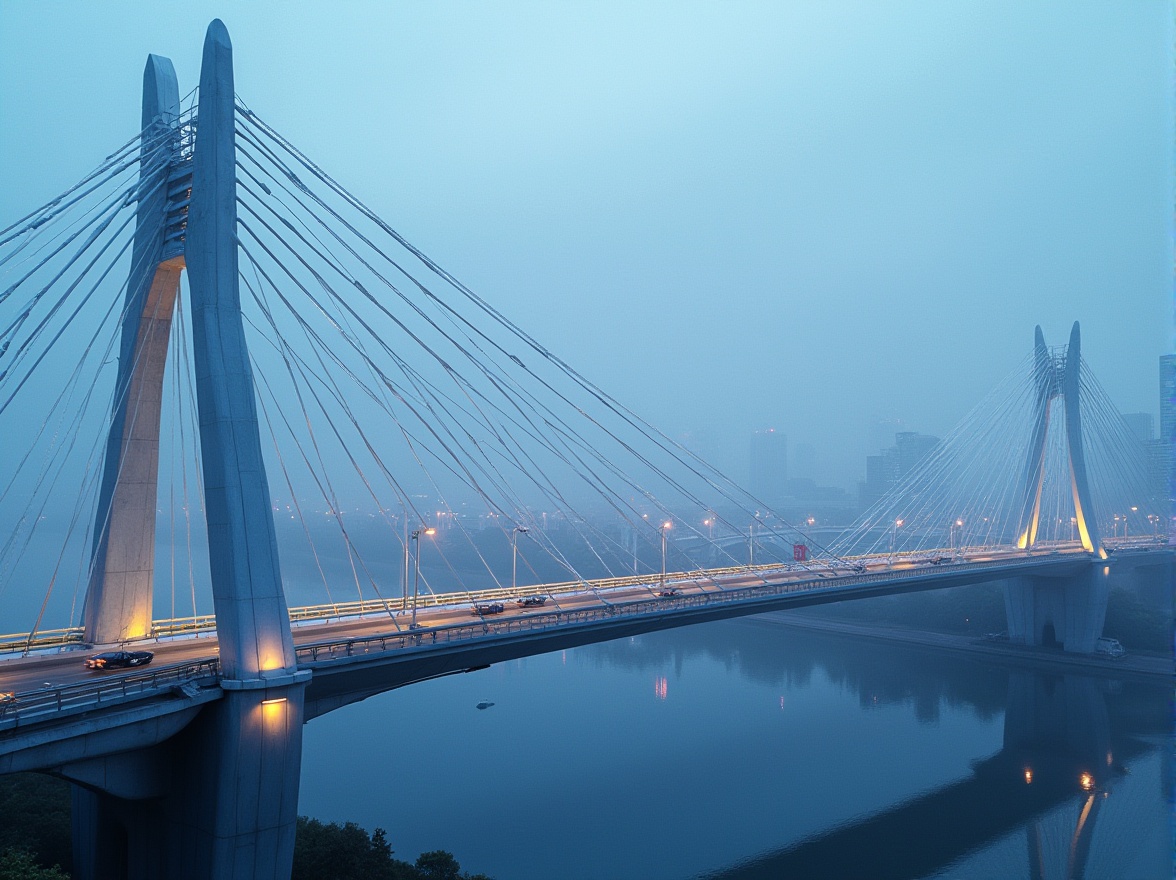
(209, 348)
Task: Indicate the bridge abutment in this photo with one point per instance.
(1067, 611)
(224, 804)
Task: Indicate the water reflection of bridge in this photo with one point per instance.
(1059, 746)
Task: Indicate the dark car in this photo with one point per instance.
(531, 601)
(119, 659)
(669, 592)
(481, 608)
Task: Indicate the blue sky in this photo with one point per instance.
(809, 215)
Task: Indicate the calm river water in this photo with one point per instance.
(747, 749)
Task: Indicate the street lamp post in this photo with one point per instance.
(416, 581)
(894, 538)
(514, 554)
(958, 524)
(404, 578)
(751, 544)
(666, 526)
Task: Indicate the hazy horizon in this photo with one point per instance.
(837, 220)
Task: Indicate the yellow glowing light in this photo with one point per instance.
(1028, 776)
(667, 525)
(1086, 781)
(273, 701)
(430, 531)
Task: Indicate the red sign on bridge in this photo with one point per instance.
(800, 552)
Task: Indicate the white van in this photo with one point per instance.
(1109, 648)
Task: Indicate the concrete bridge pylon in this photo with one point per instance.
(218, 800)
(1039, 610)
(119, 593)
(1057, 375)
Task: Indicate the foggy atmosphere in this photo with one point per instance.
(586, 440)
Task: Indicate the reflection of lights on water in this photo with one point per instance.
(1109, 760)
(661, 687)
(781, 702)
(1086, 781)
(563, 657)
(1028, 776)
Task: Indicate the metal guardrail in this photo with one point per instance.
(88, 695)
(432, 635)
(74, 636)
(206, 623)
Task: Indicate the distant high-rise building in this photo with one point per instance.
(1142, 425)
(769, 466)
(1165, 447)
(1168, 397)
(912, 449)
(884, 471)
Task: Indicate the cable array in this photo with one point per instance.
(413, 433)
(65, 270)
(970, 491)
(444, 414)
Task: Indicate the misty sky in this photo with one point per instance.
(811, 216)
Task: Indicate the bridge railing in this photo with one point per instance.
(460, 632)
(51, 638)
(204, 623)
(89, 695)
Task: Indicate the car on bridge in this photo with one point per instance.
(119, 659)
(669, 592)
(7, 697)
(483, 608)
(531, 601)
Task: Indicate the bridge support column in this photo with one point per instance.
(1065, 611)
(234, 797)
(119, 595)
(229, 806)
(218, 800)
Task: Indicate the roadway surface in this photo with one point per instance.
(64, 667)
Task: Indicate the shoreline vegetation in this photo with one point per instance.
(35, 842)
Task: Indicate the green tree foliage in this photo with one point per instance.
(35, 833)
(440, 865)
(34, 817)
(330, 851)
(20, 864)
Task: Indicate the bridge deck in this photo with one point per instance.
(353, 658)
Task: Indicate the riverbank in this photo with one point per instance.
(1135, 666)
